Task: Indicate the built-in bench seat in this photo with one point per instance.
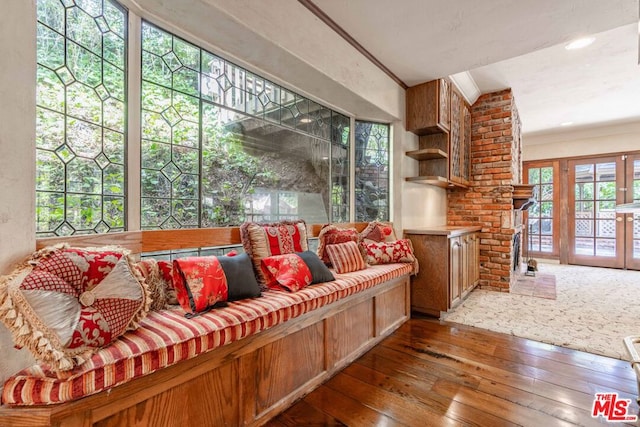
(236, 365)
(166, 337)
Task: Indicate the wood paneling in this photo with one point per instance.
(349, 330)
(288, 363)
(390, 307)
(184, 405)
(165, 240)
(428, 373)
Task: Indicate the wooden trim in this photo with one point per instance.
(320, 14)
(165, 240)
(583, 157)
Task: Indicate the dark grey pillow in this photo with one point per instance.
(319, 272)
(240, 277)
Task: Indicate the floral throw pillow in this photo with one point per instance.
(378, 232)
(265, 240)
(200, 283)
(331, 235)
(388, 252)
(64, 303)
(346, 257)
(287, 272)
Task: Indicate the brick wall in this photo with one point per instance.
(495, 165)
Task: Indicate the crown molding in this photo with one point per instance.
(467, 86)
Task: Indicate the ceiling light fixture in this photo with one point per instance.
(580, 43)
(566, 123)
(305, 120)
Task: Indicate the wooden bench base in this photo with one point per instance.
(244, 383)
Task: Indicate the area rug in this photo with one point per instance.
(540, 285)
(594, 310)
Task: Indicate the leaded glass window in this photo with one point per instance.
(372, 171)
(340, 166)
(80, 122)
(221, 145)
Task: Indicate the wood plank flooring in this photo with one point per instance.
(433, 374)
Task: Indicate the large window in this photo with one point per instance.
(219, 144)
(222, 145)
(372, 171)
(81, 98)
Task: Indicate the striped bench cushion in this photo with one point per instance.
(166, 337)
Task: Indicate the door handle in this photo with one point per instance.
(619, 218)
(630, 218)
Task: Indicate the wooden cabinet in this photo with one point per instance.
(449, 267)
(439, 114)
(428, 107)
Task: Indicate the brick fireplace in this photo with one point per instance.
(496, 165)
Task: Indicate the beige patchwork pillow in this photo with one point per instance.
(264, 240)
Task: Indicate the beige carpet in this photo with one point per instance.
(541, 286)
(594, 310)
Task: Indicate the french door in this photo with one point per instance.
(598, 235)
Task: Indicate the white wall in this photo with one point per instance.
(619, 138)
(17, 151)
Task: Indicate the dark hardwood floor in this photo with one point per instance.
(433, 374)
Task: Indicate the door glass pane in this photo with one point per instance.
(636, 216)
(584, 210)
(584, 228)
(607, 190)
(606, 247)
(606, 172)
(584, 246)
(546, 192)
(546, 226)
(540, 216)
(606, 228)
(606, 209)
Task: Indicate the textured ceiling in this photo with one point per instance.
(516, 44)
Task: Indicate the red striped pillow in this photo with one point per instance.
(345, 257)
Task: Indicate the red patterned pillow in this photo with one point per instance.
(64, 303)
(388, 252)
(265, 240)
(200, 283)
(287, 271)
(331, 235)
(378, 232)
(346, 257)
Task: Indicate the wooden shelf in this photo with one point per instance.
(438, 181)
(427, 154)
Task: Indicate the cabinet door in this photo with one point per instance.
(470, 250)
(444, 103)
(466, 142)
(428, 107)
(455, 138)
(455, 270)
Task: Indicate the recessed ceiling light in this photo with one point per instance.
(566, 123)
(580, 43)
(305, 120)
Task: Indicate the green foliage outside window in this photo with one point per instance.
(80, 117)
(213, 134)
